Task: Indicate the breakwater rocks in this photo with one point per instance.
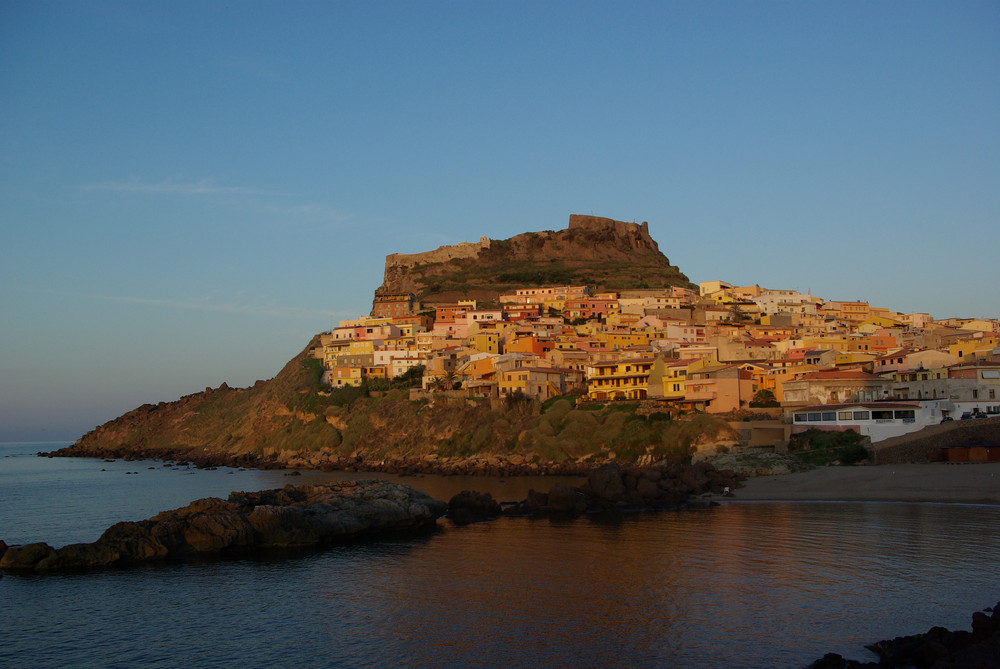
(291, 517)
(609, 487)
(938, 648)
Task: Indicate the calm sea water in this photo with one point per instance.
(739, 585)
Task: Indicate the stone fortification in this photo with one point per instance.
(403, 261)
(592, 250)
(579, 222)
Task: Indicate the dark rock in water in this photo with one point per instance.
(3, 548)
(25, 557)
(612, 487)
(563, 498)
(607, 483)
(472, 507)
(938, 648)
(303, 516)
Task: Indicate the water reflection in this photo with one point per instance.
(748, 584)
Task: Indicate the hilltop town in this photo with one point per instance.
(473, 359)
(802, 361)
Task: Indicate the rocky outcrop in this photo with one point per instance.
(759, 464)
(938, 648)
(609, 487)
(470, 506)
(291, 517)
(592, 250)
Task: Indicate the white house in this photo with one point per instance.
(877, 420)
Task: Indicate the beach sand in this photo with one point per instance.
(974, 483)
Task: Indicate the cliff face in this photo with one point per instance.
(600, 252)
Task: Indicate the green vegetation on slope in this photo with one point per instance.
(296, 412)
(467, 276)
(823, 447)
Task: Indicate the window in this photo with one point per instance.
(907, 414)
(861, 415)
(799, 417)
(882, 415)
(815, 416)
(829, 415)
(845, 415)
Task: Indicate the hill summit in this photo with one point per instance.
(599, 252)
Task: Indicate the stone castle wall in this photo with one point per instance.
(441, 254)
(621, 228)
(470, 250)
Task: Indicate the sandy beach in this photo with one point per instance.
(977, 483)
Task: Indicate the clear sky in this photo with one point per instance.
(190, 190)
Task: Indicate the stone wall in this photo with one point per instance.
(621, 228)
(441, 254)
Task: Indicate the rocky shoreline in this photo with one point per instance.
(288, 518)
(472, 465)
(938, 648)
(608, 488)
(320, 515)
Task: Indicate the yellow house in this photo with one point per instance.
(621, 340)
(554, 305)
(479, 367)
(672, 376)
(876, 323)
(723, 298)
(485, 342)
(833, 342)
(362, 347)
(854, 358)
(541, 383)
(852, 312)
(333, 350)
(627, 379)
(974, 348)
(400, 344)
(622, 319)
(338, 377)
(409, 329)
(981, 325)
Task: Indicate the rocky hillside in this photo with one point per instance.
(599, 252)
(294, 421)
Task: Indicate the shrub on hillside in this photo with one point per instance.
(824, 447)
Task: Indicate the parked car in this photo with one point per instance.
(966, 416)
(947, 419)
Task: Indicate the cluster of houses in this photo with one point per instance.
(827, 364)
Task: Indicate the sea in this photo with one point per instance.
(741, 584)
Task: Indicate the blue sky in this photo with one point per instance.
(189, 191)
